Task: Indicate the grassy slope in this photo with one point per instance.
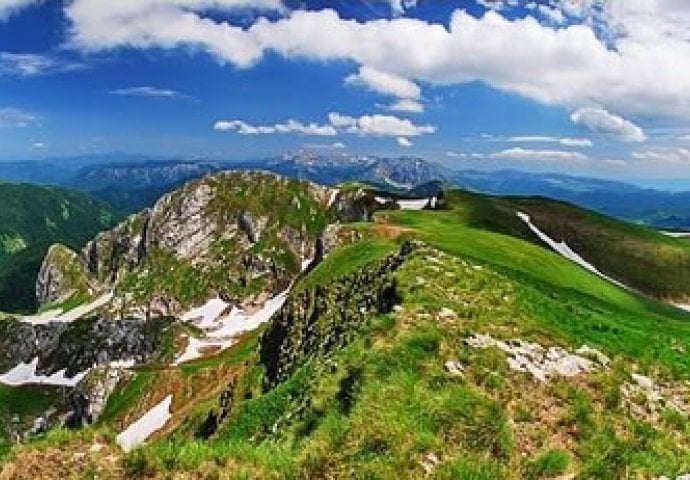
(380, 406)
(31, 219)
(640, 257)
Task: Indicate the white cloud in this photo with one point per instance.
(565, 141)
(398, 7)
(9, 7)
(470, 155)
(406, 105)
(291, 126)
(38, 145)
(601, 121)
(148, 91)
(379, 125)
(670, 155)
(528, 154)
(366, 125)
(30, 64)
(407, 92)
(326, 146)
(643, 71)
(404, 142)
(16, 118)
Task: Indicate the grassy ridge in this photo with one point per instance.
(642, 258)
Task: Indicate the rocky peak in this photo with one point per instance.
(243, 235)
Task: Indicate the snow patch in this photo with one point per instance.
(225, 330)
(152, 421)
(676, 234)
(564, 250)
(418, 204)
(206, 315)
(56, 316)
(682, 306)
(25, 374)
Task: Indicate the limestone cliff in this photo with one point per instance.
(242, 235)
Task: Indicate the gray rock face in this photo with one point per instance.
(62, 273)
(230, 233)
(90, 397)
(78, 346)
(320, 320)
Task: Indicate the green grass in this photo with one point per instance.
(347, 259)
(451, 232)
(383, 403)
(125, 396)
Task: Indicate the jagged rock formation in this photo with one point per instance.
(356, 205)
(319, 320)
(79, 346)
(62, 275)
(241, 235)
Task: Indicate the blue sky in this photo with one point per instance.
(580, 86)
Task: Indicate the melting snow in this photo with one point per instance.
(413, 204)
(682, 306)
(25, 374)
(56, 316)
(563, 249)
(676, 234)
(152, 421)
(206, 315)
(224, 331)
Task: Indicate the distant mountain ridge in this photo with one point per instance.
(132, 182)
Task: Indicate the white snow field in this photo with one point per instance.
(563, 249)
(57, 316)
(206, 315)
(25, 374)
(223, 332)
(676, 234)
(152, 421)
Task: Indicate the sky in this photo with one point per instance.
(598, 87)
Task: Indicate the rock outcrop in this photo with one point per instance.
(241, 235)
(77, 347)
(62, 275)
(319, 320)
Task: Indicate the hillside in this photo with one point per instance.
(446, 343)
(654, 207)
(32, 218)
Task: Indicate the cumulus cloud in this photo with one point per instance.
(468, 155)
(404, 142)
(670, 155)
(9, 7)
(148, 91)
(643, 70)
(16, 118)
(291, 126)
(379, 125)
(601, 121)
(30, 64)
(528, 154)
(365, 125)
(565, 141)
(407, 92)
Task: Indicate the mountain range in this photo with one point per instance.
(130, 183)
